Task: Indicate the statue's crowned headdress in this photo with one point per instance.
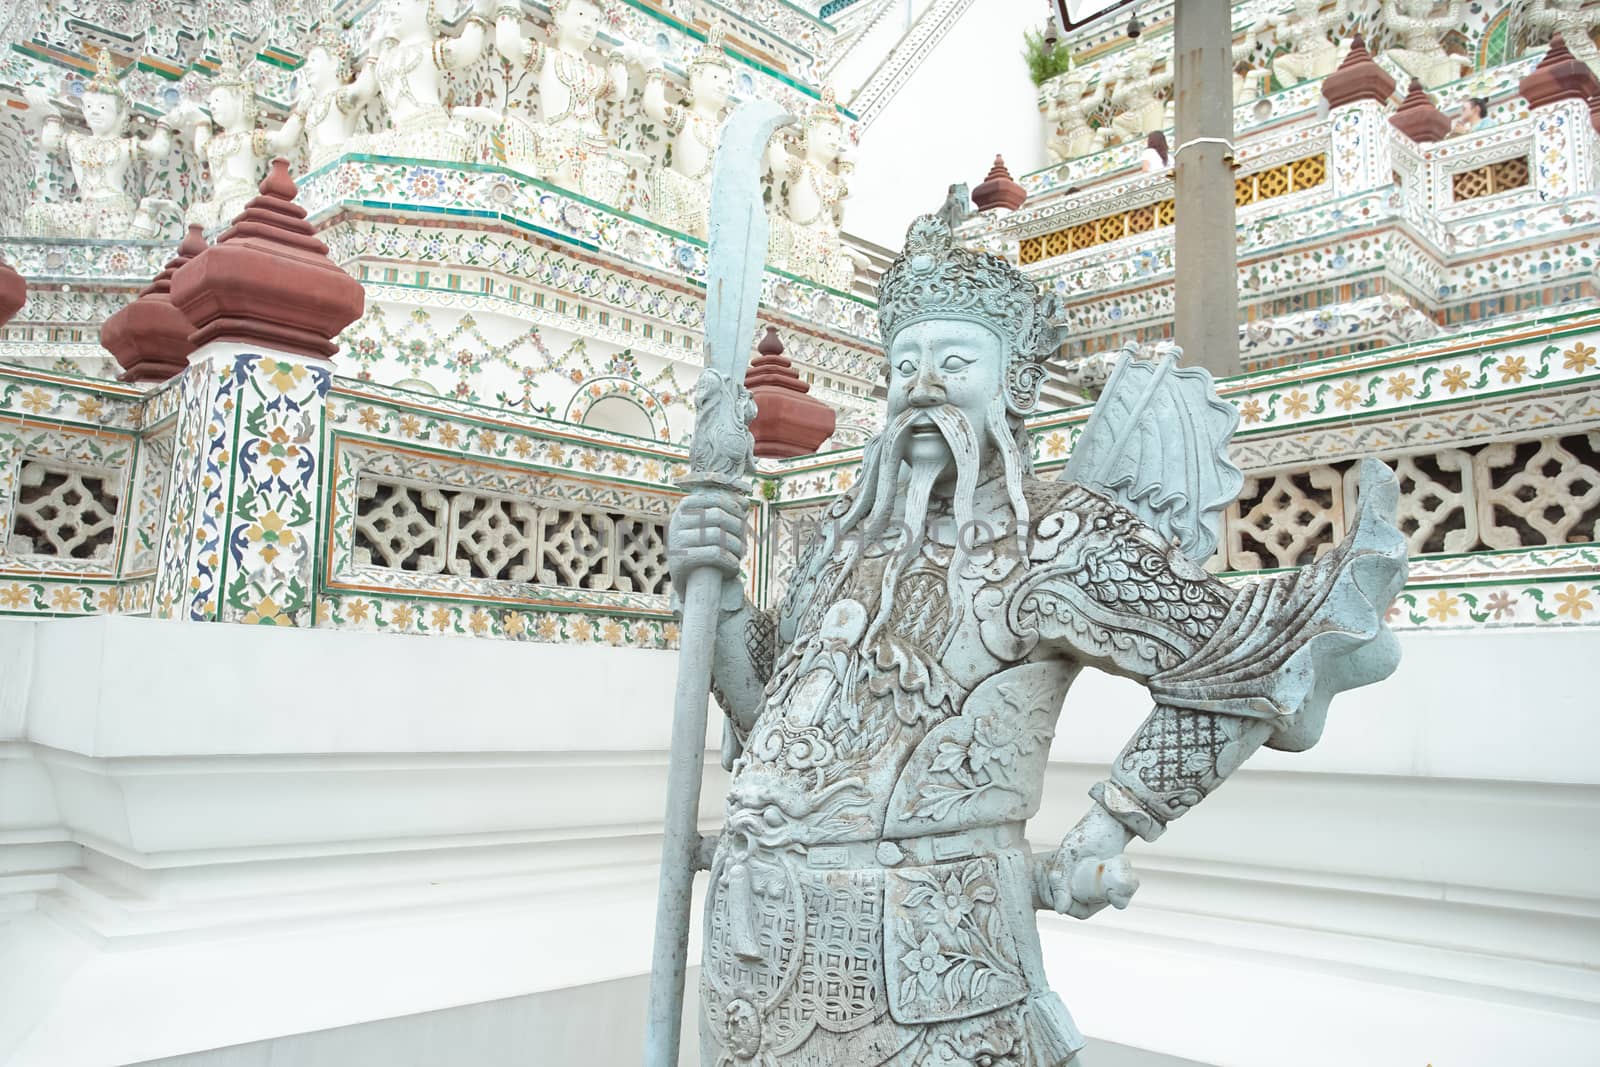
(935, 278)
(711, 53)
(328, 38)
(608, 10)
(229, 76)
(105, 80)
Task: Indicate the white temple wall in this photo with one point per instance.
(202, 850)
(969, 99)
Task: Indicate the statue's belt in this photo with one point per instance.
(918, 851)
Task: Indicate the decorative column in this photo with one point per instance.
(1357, 92)
(997, 191)
(1558, 91)
(150, 337)
(1418, 118)
(245, 488)
(13, 292)
(788, 422)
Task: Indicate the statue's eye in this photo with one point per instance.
(956, 361)
(907, 367)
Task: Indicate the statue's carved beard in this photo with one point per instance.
(866, 525)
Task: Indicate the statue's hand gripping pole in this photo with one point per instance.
(720, 457)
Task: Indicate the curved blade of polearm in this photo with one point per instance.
(719, 456)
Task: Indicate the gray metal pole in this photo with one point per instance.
(1206, 264)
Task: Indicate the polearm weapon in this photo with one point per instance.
(720, 457)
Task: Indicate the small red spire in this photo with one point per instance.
(998, 190)
(268, 280)
(150, 337)
(788, 422)
(13, 291)
(1560, 75)
(1419, 118)
(1358, 78)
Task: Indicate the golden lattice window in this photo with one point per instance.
(1490, 179)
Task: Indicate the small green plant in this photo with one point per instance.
(1044, 63)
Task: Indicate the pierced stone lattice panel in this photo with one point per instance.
(1490, 179)
(65, 511)
(1506, 495)
(437, 529)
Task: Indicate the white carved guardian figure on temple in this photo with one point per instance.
(569, 145)
(1313, 53)
(101, 162)
(414, 55)
(872, 894)
(1574, 20)
(680, 195)
(1421, 34)
(328, 111)
(1139, 97)
(1069, 110)
(235, 151)
(810, 187)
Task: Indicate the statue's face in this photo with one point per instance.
(103, 113)
(711, 85)
(320, 67)
(578, 23)
(945, 361)
(226, 107)
(822, 139)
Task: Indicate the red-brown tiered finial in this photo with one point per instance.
(1419, 118)
(13, 292)
(268, 280)
(1560, 75)
(788, 422)
(998, 190)
(150, 337)
(1358, 78)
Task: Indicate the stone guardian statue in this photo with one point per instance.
(872, 892)
(101, 162)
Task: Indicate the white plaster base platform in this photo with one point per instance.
(238, 847)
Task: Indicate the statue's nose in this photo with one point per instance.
(927, 390)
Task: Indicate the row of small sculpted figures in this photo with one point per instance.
(1135, 90)
(406, 65)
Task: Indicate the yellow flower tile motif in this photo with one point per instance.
(1402, 385)
(324, 612)
(402, 616)
(555, 453)
(1442, 606)
(522, 447)
(1296, 403)
(1512, 369)
(267, 613)
(1456, 379)
(1055, 445)
(515, 623)
(1347, 395)
(613, 632)
(283, 375)
(15, 596)
(670, 632)
(487, 440)
(90, 407)
(441, 619)
(1573, 601)
(107, 601)
(269, 532)
(357, 610)
(548, 628)
(583, 630)
(65, 598)
(36, 401)
(449, 435)
(410, 425)
(370, 419)
(1250, 411)
(1578, 358)
(478, 622)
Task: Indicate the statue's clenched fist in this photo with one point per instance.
(1088, 871)
(706, 530)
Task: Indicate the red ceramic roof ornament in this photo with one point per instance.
(1560, 75)
(788, 422)
(1358, 78)
(1418, 118)
(150, 337)
(268, 280)
(998, 190)
(13, 292)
